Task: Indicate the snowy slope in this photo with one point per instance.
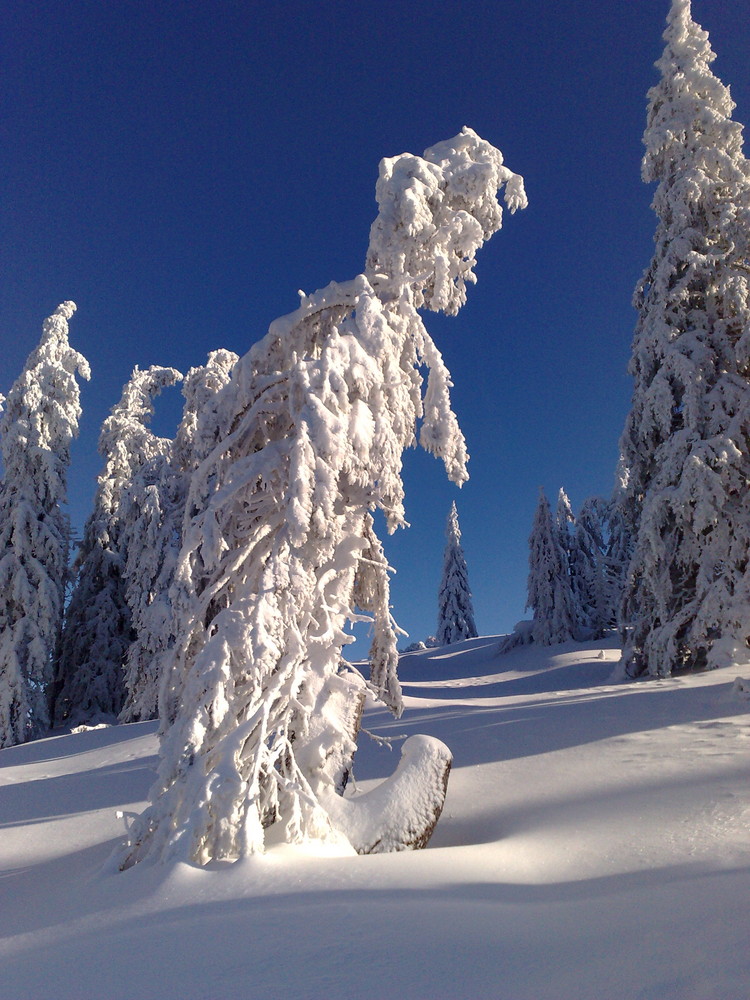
(595, 844)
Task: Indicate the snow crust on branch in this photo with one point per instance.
(39, 422)
(279, 547)
(685, 443)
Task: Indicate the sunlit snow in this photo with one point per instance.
(595, 843)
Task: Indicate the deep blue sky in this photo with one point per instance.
(180, 169)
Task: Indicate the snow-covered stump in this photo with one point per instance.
(401, 813)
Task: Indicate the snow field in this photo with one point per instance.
(595, 843)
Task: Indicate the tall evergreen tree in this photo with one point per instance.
(281, 550)
(36, 429)
(685, 444)
(550, 596)
(593, 589)
(98, 631)
(152, 516)
(455, 609)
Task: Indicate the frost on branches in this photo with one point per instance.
(455, 609)
(550, 594)
(281, 551)
(594, 577)
(36, 429)
(685, 443)
(98, 631)
(153, 511)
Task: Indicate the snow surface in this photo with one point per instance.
(595, 843)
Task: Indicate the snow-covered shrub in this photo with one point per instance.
(522, 635)
(281, 550)
(414, 647)
(36, 429)
(685, 452)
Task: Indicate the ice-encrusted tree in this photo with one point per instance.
(594, 591)
(282, 552)
(153, 512)
(619, 552)
(550, 596)
(455, 608)
(36, 429)
(685, 448)
(98, 631)
(201, 428)
(565, 528)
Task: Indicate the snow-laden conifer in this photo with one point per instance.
(550, 595)
(153, 511)
(40, 419)
(594, 591)
(281, 550)
(200, 428)
(98, 628)
(685, 444)
(455, 608)
(619, 550)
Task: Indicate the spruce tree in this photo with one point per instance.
(455, 609)
(550, 596)
(98, 631)
(685, 444)
(593, 589)
(152, 516)
(36, 429)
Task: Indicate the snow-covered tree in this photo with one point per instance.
(153, 511)
(98, 631)
(550, 595)
(685, 445)
(620, 540)
(201, 429)
(594, 590)
(281, 550)
(36, 429)
(565, 528)
(455, 608)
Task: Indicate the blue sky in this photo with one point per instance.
(180, 169)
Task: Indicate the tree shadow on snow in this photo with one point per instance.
(480, 733)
